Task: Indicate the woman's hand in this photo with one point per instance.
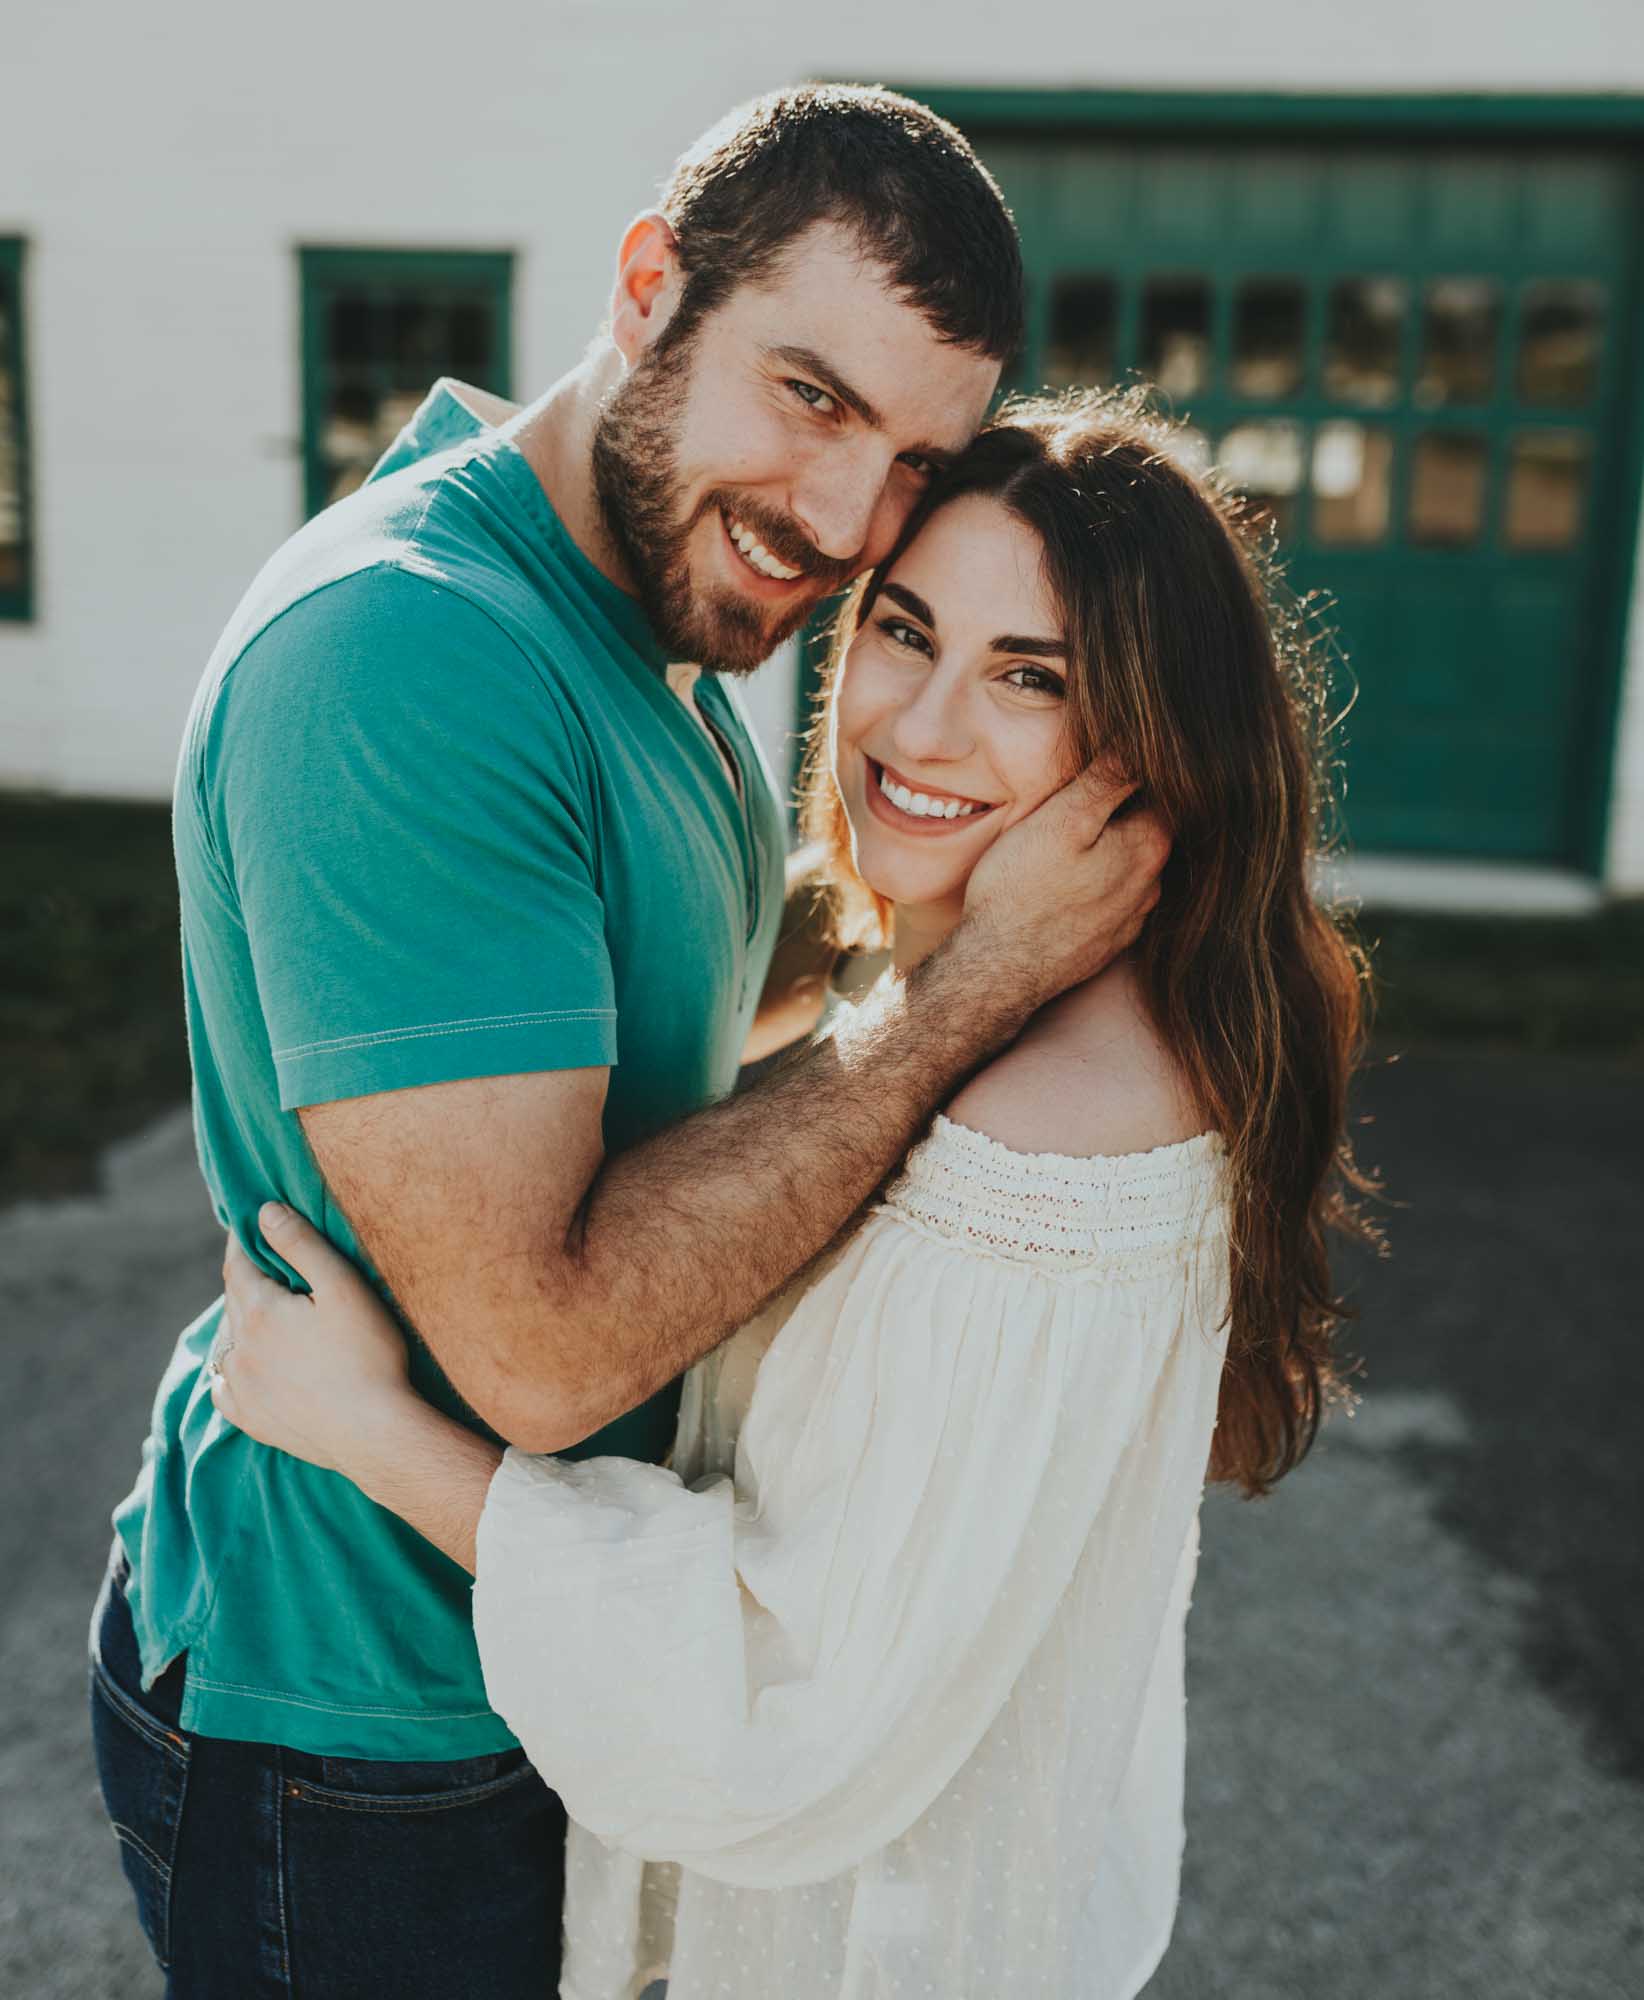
(323, 1377)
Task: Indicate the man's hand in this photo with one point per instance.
(1060, 894)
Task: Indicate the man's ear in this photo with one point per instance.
(649, 282)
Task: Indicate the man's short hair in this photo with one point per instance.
(906, 182)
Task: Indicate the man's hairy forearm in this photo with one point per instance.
(682, 1239)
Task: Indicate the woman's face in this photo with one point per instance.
(948, 716)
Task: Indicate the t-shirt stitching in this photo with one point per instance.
(476, 1025)
(198, 1680)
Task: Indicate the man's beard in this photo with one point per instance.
(636, 480)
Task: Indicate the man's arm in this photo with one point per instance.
(558, 1289)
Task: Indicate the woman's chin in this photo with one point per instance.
(910, 885)
(886, 865)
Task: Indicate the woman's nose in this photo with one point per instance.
(931, 728)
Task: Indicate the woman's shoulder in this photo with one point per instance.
(1090, 1076)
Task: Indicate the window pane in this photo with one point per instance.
(353, 332)
(348, 440)
(1458, 346)
(12, 560)
(421, 340)
(1447, 478)
(384, 352)
(1084, 320)
(390, 323)
(473, 342)
(394, 412)
(1546, 489)
(1176, 334)
(1269, 325)
(1559, 342)
(1361, 344)
(1352, 484)
(11, 470)
(1265, 462)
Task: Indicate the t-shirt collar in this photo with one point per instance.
(622, 610)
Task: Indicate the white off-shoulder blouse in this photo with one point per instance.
(875, 1691)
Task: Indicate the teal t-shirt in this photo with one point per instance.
(438, 815)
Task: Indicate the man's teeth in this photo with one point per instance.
(755, 552)
(920, 805)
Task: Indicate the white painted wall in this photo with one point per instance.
(165, 161)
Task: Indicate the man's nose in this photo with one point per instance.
(838, 499)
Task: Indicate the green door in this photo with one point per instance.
(1413, 358)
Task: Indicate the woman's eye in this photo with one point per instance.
(923, 466)
(1037, 680)
(901, 633)
(811, 396)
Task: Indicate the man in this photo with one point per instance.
(479, 893)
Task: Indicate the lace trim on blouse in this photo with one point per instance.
(1115, 1215)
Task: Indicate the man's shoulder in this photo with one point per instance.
(386, 665)
(364, 602)
(363, 560)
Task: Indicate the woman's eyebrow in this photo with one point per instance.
(1045, 649)
(911, 602)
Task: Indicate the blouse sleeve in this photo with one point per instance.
(768, 1680)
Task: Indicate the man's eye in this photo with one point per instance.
(923, 466)
(811, 396)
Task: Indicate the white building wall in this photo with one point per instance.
(164, 162)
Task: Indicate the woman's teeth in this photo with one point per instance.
(755, 554)
(920, 805)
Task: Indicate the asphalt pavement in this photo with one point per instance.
(1416, 1763)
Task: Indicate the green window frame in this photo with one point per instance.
(16, 494)
(378, 327)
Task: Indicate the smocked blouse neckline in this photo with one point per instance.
(1107, 1216)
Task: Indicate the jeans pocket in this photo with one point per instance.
(143, 1769)
(418, 1879)
(368, 1786)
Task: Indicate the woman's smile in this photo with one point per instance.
(920, 810)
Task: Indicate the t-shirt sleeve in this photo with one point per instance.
(403, 803)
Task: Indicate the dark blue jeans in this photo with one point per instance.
(260, 1871)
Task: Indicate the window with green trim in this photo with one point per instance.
(16, 522)
(1417, 359)
(379, 326)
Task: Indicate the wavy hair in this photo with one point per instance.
(1193, 670)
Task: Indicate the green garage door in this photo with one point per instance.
(1414, 357)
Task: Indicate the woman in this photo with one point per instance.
(877, 1687)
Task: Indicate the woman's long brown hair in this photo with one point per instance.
(1194, 672)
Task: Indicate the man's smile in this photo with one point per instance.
(754, 553)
